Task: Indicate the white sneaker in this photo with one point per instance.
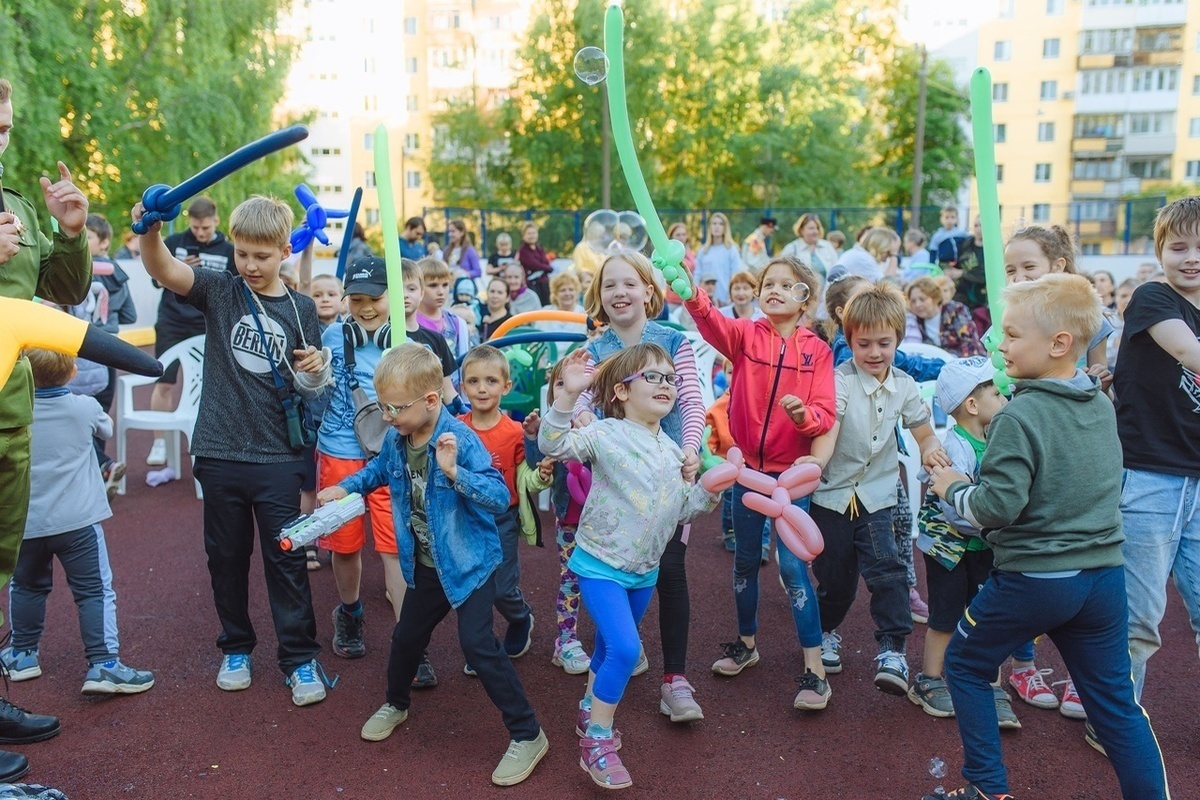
(158, 454)
(641, 666)
(234, 674)
(307, 684)
(572, 658)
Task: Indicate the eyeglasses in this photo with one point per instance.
(395, 411)
(656, 378)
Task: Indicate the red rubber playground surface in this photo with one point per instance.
(185, 738)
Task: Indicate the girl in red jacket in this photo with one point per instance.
(781, 397)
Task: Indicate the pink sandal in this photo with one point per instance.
(581, 726)
(600, 760)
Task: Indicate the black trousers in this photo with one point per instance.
(674, 605)
(236, 496)
(425, 606)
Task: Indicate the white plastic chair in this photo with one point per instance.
(190, 356)
(706, 359)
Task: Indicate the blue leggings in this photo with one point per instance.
(616, 611)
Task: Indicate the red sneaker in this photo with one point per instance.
(1030, 685)
(1071, 706)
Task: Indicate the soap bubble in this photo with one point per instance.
(631, 231)
(937, 767)
(800, 292)
(591, 65)
(600, 230)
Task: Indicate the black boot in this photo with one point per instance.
(12, 766)
(18, 726)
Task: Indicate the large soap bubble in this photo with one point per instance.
(631, 231)
(591, 65)
(600, 230)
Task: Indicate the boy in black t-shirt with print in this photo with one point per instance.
(1157, 388)
(246, 460)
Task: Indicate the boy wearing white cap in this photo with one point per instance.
(957, 559)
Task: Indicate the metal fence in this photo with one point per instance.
(1109, 226)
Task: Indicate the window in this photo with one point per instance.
(999, 92)
(369, 65)
(1045, 131)
(1155, 167)
(1049, 90)
(1002, 50)
(1154, 79)
(1151, 124)
(1104, 81)
(412, 141)
(410, 102)
(410, 26)
(370, 102)
(372, 216)
(1193, 170)
(1050, 48)
(410, 66)
(1094, 169)
(1000, 133)
(1196, 84)
(1041, 173)
(1099, 126)
(1006, 9)
(1054, 8)
(1194, 128)
(999, 173)
(412, 179)
(368, 141)
(1105, 42)
(369, 180)
(1041, 212)
(1093, 210)
(1090, 249)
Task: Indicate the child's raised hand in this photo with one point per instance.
(546, 468)
(138, 212)
(447, 455)
(532, 424)
(330, 494)
(309, 359)
(583, 419)
(794, 407)
(574, 374)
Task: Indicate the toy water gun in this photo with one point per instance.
(322, 522)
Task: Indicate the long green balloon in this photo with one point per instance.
(985, 183)
(668, 253)
(391, 234)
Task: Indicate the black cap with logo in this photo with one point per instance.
(367, 276)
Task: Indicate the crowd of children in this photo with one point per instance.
(1020, 536)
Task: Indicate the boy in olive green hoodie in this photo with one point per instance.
(1047, 501)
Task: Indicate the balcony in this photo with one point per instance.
(1094, 146)
(1134, 16)
(1089, 187)
(1101, 228)
(1150, 144)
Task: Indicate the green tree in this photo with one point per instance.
(134, 93)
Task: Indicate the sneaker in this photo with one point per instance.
(234, 674)
(158, 454)
(469, 671)
(113, 472)
(517, 641)
(641, 666)
(729, 542)
(1071, 706)
(917, 607)
(677, 701)
(348, 633)
(572, 658)
(308, 683)
(831, 652)
(584, 718)
(814, 693)
(382, 723)
(425, 678)
(932, 696)
(601, 761)
(518, 761)
(969, 792)
(12, 766)
(737, 657)
(113, 677)
(892, 674)
(1089, 736)
(766, 554)
(21, 665)
(1030, 685)
(1005, 716)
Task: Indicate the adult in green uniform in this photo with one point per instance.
(57, 269)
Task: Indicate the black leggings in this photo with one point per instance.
(674, 607)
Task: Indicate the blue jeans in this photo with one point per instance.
(1162, 539)
(865, 545)
(1085, 617)
(747, 558)
(509, 600)
(727, 519)
(617, 612)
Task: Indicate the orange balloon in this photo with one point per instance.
(541, 315)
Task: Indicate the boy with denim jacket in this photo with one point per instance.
(442, 481)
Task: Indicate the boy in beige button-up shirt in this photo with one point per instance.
(853, 506)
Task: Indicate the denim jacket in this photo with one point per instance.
(461, 515)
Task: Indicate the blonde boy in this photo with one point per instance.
(443, 483)
(1048, 498)
(853, 506)
(247, 457)
(432, 313)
